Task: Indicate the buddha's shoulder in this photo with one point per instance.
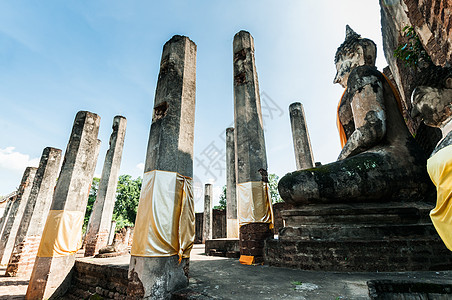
(363, 75)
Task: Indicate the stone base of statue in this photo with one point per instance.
(370, 237)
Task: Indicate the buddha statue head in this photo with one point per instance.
(432, 98)
(354, 51)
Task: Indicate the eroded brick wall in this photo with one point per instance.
(252, 239)
(96, 281)
(97, 242)
(394, 17)
(277, 209)
(23, 258)
(432, 22)
(359, 255)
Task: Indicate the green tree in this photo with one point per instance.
(127, 198)
(222, 204)
(412, 52)
(91, 199)
(273, 188)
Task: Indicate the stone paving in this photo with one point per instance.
(12, 287)
(225, 278)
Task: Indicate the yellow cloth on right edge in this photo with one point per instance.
(439, 167)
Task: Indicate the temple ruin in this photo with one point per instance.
(367, 221)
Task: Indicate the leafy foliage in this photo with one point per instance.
(412, 52)
(91, 199)
(127, 198)
(273, 188)
(222, 204)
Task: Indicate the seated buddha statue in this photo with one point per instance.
(380, 161)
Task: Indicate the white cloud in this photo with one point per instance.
(140, 166)
(13, 160)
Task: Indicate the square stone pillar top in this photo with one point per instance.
(243, 40)
(79, 162)
(170, 145)
(119, 122)
(178, 39)
(295, 106)
(36, 210)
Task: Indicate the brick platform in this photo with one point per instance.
(252, 237)
(366, 237)
(398, 289)
(93, 278)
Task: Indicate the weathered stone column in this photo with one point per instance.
(304, 157)
(111, 234)
(52, 269)
(97, 234)
(6, 213)
(251, 158)
(32, 224)
(207, 216)
(170, 148)
(15, 215)
(232, 226)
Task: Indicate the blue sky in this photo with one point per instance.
(60, 57)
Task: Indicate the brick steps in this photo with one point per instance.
(366, 255)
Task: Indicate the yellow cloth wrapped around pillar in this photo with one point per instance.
(439, 167)
(165, 223)
(254, 203)
(62, 235)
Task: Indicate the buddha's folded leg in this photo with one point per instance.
(366, 177)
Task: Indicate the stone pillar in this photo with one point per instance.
(97, 234)
(111, 234)
(301, 142)
(15, 215)
(52, 273)
(232, 225)
(251, 158)
(6, 213)
(170, 148)
(207, 217)
(32, 224)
